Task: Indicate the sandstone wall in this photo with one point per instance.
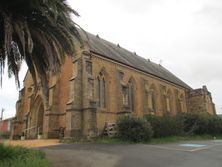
(200, 100)
(142, 81)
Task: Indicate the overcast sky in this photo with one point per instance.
(184, 35)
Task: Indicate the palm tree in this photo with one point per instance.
(40, 32)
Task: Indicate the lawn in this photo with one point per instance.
(173, 139)
(16, 156)
(161, 140)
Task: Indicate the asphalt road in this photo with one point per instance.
(188, 154)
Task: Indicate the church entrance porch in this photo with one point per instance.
(34, 120)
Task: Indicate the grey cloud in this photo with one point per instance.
(207, 69)
(7, 100)
(212, 10)
(135, 6)
(8, 103)
(211, 13)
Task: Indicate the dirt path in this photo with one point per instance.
(32, 143)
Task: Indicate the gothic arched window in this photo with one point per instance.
(151, 98)
(125, 96)
(101, 90)
(181, 102)
(131, 95)
(103, 97)
(177, 101)
(98, 92)
(169, 106)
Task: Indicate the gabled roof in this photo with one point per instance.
(115, 52)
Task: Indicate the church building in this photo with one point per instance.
(100, 84)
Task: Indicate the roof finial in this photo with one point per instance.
(161, 61)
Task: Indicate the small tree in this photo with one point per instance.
(167, 125)
(134, 129)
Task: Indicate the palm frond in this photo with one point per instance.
(40, 32)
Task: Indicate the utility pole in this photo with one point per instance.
(2, 114)
(1, 120)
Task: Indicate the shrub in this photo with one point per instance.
(165, 125)
(137, 129)
(214, 125)
(5, 135)
(195, 123)
(201, 123)
(134, 129)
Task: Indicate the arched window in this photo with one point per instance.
(151, 98)
(125, 99)
(177, 100)
(181, 102)
(168, 104)
(101, 89)
(131, 95)
(98, 92)
(103, 97)
(169, 101)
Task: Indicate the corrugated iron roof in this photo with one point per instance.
(117, 53)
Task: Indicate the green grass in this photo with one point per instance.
(173, 139)
(16, 156)
(162, 140)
